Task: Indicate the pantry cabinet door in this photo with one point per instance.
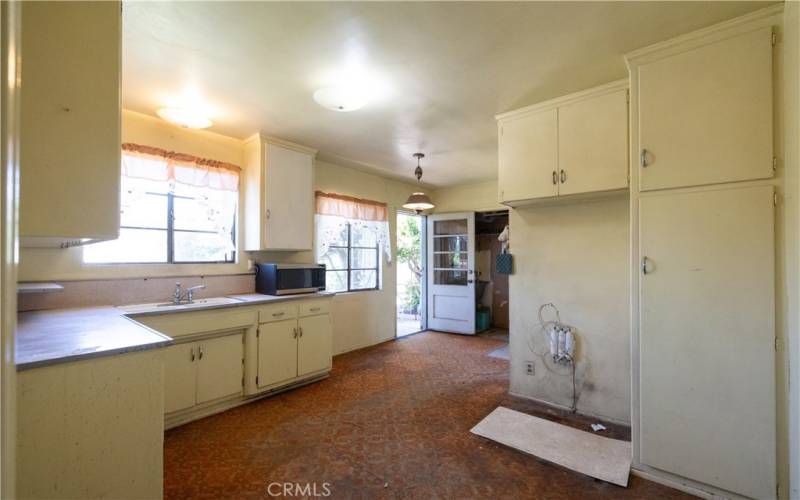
(277, 352)
(314, 347)
(219, 367)
(705, 115)
(593, 144)
(528, 158)
(707, 333)
(179, 377)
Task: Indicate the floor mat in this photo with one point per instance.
(596, 456)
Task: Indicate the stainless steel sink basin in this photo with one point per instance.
(168, 306)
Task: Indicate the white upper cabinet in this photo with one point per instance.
(279, 195)
(705, 115)
(593, 144)
(528, 156)
(572, 145)
(70, 122)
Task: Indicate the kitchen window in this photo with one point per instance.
(351, 234)
(175, 209)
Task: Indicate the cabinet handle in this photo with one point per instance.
(644, 265)
(301, 331)
(563, 176)
(643, 158)
(269, 213)
(192, 353)
(294, 333)
(555, 177)
(278, 315)
(200, 351)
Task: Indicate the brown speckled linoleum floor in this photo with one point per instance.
(392, 421)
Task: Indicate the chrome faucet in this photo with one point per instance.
(178, 294)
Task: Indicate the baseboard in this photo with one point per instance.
(568, 408)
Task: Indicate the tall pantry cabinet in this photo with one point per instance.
(703, 252)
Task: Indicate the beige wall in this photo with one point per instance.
(360, 318)
(576, 256)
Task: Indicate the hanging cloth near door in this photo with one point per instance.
(504, 262)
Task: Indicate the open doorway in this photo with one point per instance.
(491, 292)
(410, 273)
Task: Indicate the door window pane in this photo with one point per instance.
(450, 260)
(457, 226)
(450, 278)
(450, 244)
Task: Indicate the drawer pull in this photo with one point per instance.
(315, 309)
(278, 315)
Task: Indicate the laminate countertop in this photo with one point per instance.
(63, 335)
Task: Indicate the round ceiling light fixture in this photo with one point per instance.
(341, 99)
(184, 117)
(418, 201)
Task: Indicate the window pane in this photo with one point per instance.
(133, 245)
(363, 259)
(458, 226)
(202, 247)
(450, 278)
(360, 280)
(361, 236)
(335, 258)
(143, 203)
(336, 281)
(452, 260)
(450, 244)
(205, 210)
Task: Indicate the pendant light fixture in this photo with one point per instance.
(418, 201)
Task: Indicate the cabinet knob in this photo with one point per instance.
(200, 352)
(563, 176)
(644, 265)
(643, 158)
(269, 213)
(191, 351)
(555, 177)
(300, 331)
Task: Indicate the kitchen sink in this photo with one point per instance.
(169, 306)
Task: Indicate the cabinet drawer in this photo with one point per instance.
(277, 312)
(313, 307)
(177, 324)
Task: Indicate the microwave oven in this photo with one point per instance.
(287, 279)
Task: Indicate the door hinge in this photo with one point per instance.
(775, 199)
(774, 38)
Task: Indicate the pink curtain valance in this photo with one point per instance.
(350, 207)
(147, 162)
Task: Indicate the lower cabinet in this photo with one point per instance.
(202, 371)
(293, 348)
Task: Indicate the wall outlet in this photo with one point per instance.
(529, 368)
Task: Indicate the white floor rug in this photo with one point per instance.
(596, 456)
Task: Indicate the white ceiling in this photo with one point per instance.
(446, 68)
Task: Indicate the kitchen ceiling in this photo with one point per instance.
(440, 70)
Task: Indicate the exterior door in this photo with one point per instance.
(179, 377)
(451, 272)
(219, 368)
(314, 344)
(707, 333)
(277, 352)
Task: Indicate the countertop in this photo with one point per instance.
(62, 335)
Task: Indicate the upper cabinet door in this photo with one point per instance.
(528, 156)
(70, 121)
(289, 199)
(593, 144)
(705, 116)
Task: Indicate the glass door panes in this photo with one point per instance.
(450, 257)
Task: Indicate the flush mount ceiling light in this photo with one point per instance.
(184, 117)
(418, 201)
(340, 98)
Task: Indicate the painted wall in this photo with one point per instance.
(576, 256)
